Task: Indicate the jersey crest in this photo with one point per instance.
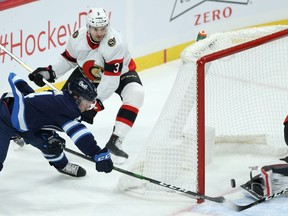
(92, 71)
(97, 71)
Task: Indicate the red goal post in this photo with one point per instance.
(201, 90)
(231, 89)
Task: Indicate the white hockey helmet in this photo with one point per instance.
(97, 17)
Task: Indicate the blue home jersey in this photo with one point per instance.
(35, 110)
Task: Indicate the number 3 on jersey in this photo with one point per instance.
(113, 68)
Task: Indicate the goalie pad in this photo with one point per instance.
(254, 187)
(272, 179)
(275, 178)
(267, 176)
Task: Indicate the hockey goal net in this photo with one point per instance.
(235, 82)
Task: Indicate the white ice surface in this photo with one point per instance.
(30, 186)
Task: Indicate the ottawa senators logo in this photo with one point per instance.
(96, 71)
(112, 42)
(75, 34)
(92, 71)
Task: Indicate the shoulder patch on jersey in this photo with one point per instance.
(75, 34)
(112, 42)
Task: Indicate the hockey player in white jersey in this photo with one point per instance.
(99, 53)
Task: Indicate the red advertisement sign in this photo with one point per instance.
(6, 4)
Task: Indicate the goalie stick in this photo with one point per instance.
(264, 199)
(195, 195)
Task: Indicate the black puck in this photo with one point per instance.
(233, 183)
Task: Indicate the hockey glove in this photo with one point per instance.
(98, 106)
(88, 116)
(54, 144)
(103, 161)
(42, 73)
(1, 166)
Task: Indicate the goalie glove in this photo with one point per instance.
(103, 161)
(41, 73)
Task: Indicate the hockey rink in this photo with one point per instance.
(31, 187)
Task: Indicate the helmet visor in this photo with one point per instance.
(87, 103)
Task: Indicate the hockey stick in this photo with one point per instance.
(264, 199)
(195, 195)
(26, 66)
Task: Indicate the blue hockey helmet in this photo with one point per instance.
(83, 88)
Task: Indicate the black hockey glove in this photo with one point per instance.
(42, 73)
(88, 116)
(103, 161)
(54, 143)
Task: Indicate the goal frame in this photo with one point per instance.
(201, 94)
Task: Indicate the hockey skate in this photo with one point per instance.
(73, 170)
(114, 145)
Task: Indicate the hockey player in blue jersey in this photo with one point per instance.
(32, 115)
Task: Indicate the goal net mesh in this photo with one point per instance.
(246, 101)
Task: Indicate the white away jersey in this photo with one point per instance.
(102, 63)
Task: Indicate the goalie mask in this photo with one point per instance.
(97, 17)
(83, 89)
